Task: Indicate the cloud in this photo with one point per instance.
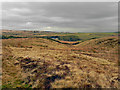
(29, 23)
(59, 19)
(20, 10)
(61, 16)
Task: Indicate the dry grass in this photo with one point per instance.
(47, 64)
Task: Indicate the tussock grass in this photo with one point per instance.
(42, 63)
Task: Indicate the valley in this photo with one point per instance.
(47, 63)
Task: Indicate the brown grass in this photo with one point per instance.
(47, 64)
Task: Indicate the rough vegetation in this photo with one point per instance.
(43, 63)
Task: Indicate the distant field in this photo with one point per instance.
(58, 36)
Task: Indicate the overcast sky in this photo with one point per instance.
(61, 16)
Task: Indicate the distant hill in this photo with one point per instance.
(64, 36)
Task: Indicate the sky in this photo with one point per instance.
(61, 16)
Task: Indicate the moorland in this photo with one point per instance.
(44, 59)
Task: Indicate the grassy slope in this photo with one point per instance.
(106, 48)
(44, 63)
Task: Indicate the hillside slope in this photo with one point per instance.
(106, 48)
(42, 63)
